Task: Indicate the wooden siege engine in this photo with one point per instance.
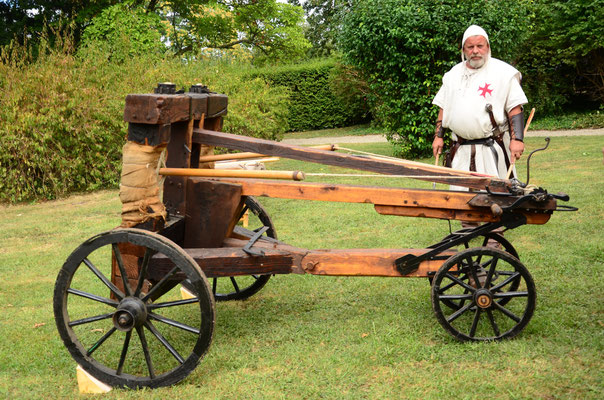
(202, 213)
(180, 227)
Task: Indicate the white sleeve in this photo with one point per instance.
(516, 96)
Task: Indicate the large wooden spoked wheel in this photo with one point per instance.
(242, 287)
(142, 334)
(478, 280)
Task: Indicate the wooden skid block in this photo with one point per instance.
(88, 384)
(185, 294)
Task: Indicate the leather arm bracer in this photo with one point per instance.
(440, 131)
(517, 127)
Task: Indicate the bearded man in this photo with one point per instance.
(480, 100)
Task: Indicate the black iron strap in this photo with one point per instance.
(248, 246)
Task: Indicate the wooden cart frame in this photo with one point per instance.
(480, 293)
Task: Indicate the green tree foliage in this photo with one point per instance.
(563, 59)
(20, 18)
(323, 19)
(268, 30)
(125, 31)
(404, 47)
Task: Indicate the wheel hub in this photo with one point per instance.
(483, 298)
(131, 313)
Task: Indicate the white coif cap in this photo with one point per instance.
(474, 30)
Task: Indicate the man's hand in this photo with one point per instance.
(516, 149)
(438, 144)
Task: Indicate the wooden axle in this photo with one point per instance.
(232, 173)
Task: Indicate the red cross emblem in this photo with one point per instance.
(485, 89)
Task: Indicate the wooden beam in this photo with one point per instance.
(483, 215)
(367, 262)
(424, 203)
(355, 194)
(416, 170)
(222, 262)
(347, 262)
(156, 108)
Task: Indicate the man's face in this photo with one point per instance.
(476, 49)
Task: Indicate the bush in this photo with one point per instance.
(404, 47)
(563, 60)
(315, 103)
(61, 115)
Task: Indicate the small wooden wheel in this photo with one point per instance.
(478, 281)
(242, 287)
(142, 334)
(483, 241)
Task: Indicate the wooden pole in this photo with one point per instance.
(436, 164)
(528, 123)
(245, 155)
(233, 173)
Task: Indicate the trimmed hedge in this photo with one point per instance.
(314, 102)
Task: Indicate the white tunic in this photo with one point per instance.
(463, 97)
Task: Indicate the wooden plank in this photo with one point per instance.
(416, 170)
(210, 208)
(156, 108)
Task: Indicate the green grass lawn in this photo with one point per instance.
(309, 337)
